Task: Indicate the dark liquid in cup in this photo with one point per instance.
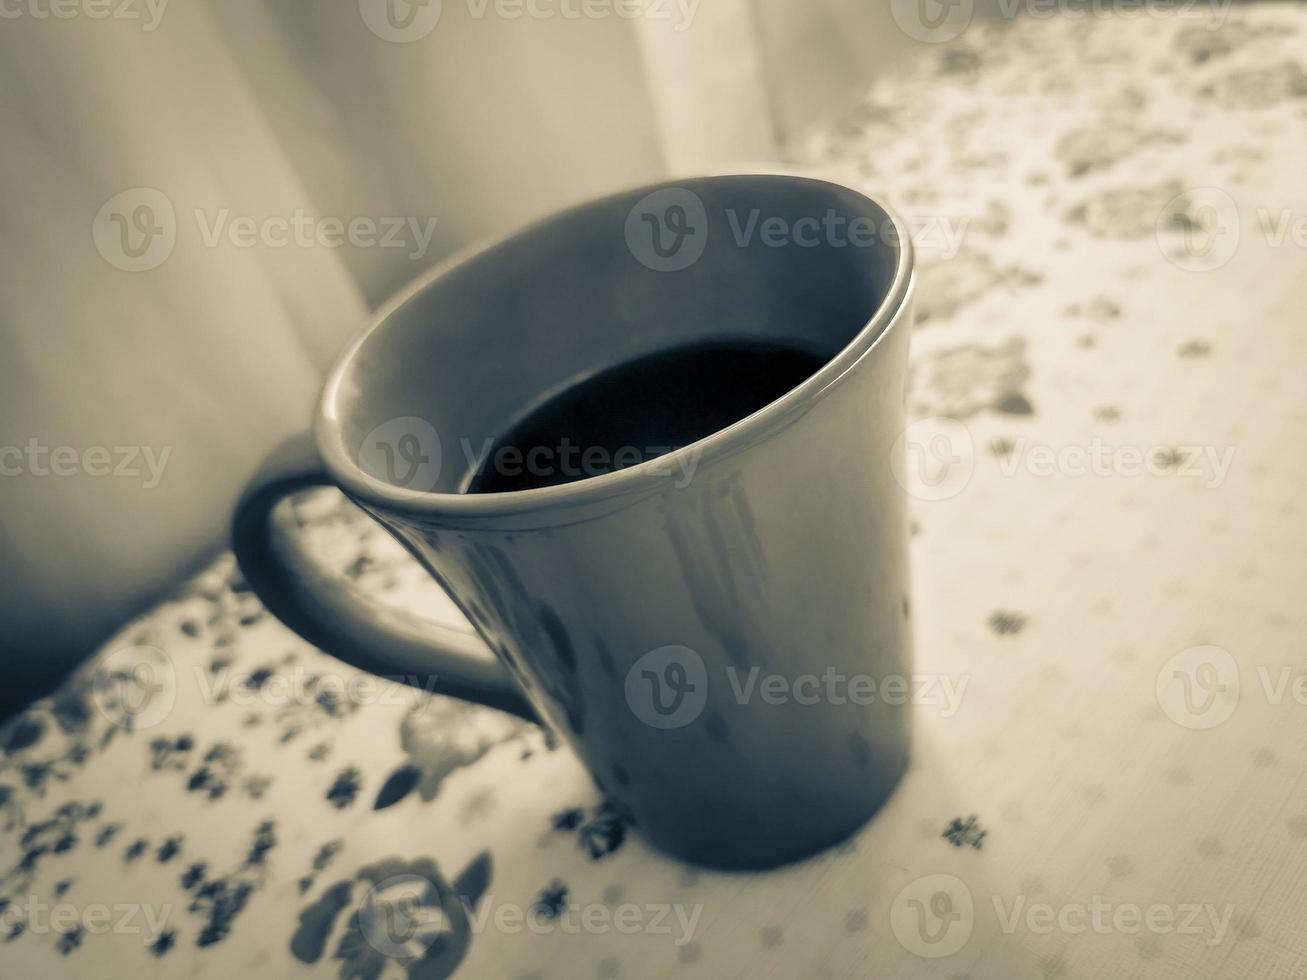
(639, 411)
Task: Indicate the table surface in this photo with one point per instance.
(1108, 568)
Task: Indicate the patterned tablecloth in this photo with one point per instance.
(1110, 555)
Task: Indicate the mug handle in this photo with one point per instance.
(334, 617)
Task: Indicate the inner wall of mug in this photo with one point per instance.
(788, 261)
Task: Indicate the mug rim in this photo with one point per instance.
(647, 475)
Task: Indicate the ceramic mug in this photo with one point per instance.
(678, 633)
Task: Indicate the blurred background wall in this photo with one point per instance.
(159, 336)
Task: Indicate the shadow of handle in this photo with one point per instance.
(325, 610)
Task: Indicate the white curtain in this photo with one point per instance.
(184, 128)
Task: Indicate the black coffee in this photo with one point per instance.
(639, 411)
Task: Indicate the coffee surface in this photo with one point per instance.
(640, 410)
